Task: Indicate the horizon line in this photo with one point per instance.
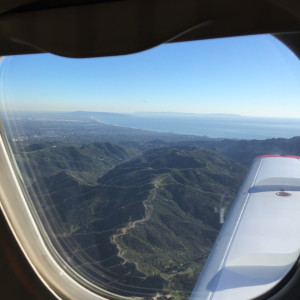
(216, 114)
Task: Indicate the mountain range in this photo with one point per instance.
(134, 219)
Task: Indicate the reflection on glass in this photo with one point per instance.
(133, 162)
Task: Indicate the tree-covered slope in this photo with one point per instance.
(244, 151)
(149, 221)
(85, 163)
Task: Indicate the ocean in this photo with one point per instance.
(214, 126)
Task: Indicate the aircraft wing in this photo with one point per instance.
(260, 241)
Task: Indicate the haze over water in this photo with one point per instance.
(214, 126)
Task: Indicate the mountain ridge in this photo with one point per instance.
(150, 219)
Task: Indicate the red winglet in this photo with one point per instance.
(277, 155)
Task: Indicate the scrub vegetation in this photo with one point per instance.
(137, 216)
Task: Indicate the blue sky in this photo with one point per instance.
(254, 75)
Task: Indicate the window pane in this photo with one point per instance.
(133, 162)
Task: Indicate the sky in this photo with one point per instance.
(252, 75)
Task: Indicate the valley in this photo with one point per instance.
(137, 212)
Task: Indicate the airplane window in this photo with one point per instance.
(132, 162)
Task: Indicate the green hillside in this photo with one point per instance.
(148, 222)
(85, 163)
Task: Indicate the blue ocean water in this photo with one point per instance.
(214, 126)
